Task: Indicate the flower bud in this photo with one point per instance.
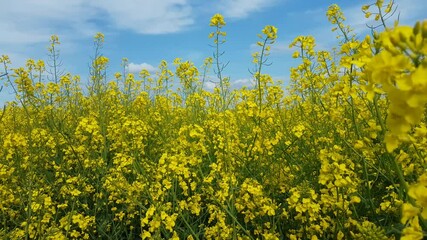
(394, 40)
(403, 37)
(424, 29)
(376, 36)
(417, 28)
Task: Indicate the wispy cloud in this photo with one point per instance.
(242, 82)
(213, 82)
(209, 86)
(33, 21)
(26, 25)
(145, 16)
(29, 22)
(408, 12)
(136, 68)
(242, 8)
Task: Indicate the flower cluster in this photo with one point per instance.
(341, 154)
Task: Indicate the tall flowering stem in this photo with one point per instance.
(217, 21)
(268, 37)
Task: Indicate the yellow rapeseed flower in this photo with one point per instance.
(217, 20)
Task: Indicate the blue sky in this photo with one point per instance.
(146, 31)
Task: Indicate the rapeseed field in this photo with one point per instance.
(341, 153)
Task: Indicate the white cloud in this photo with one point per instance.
(33, 21)
(136, 68)
(242, 8)
(147, 17)
(282, 47)
(242, 82)
(25, 23)
(209, 86)
(213, 82)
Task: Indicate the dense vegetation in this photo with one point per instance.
(342, 154)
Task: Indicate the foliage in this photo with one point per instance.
(342, 155)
